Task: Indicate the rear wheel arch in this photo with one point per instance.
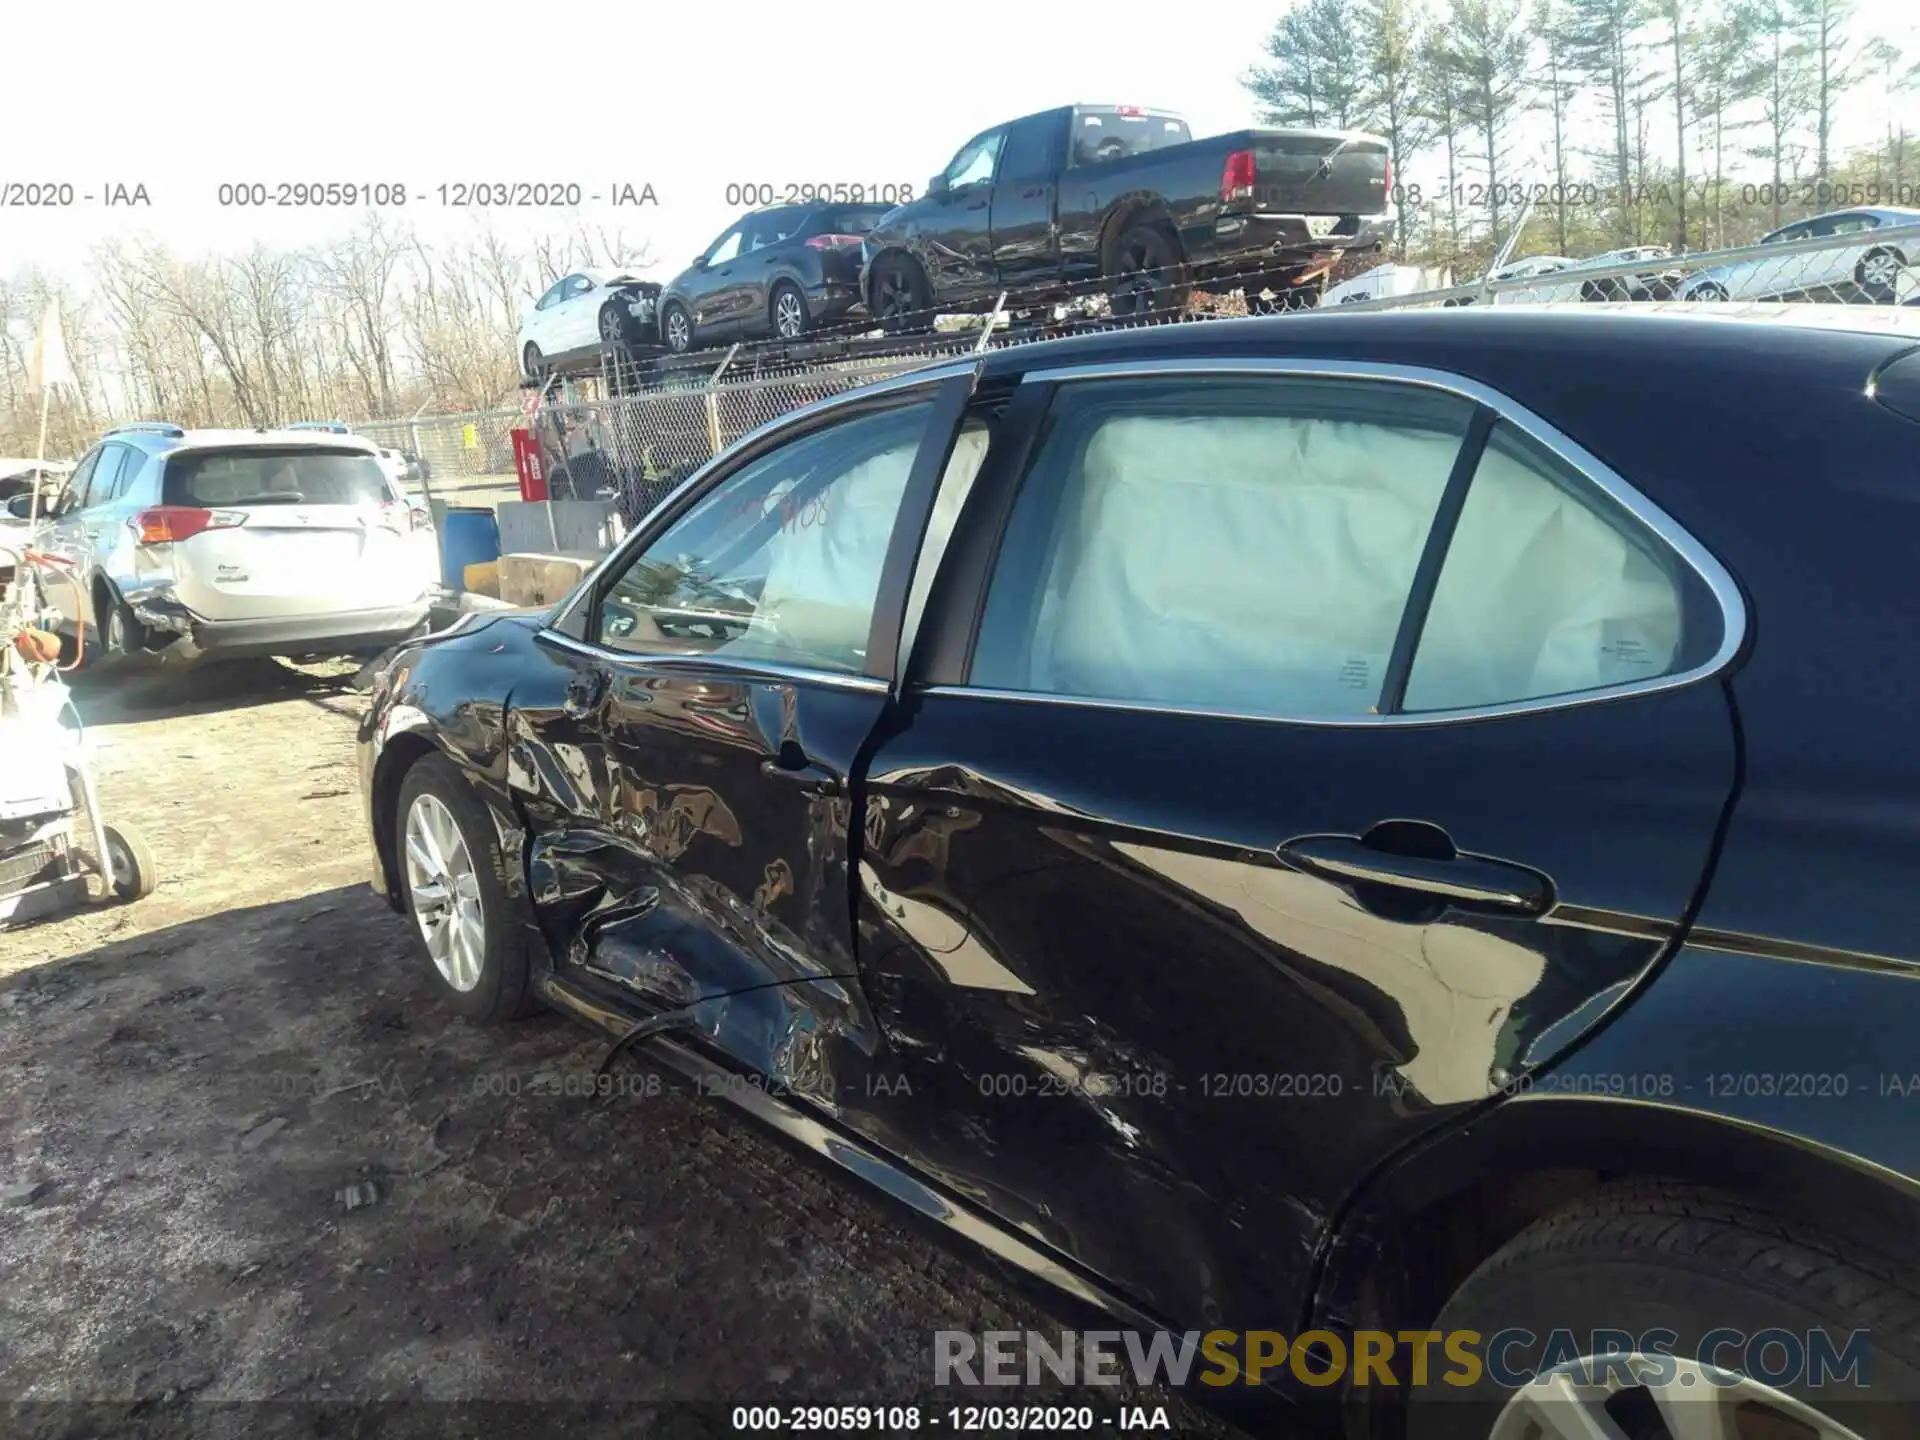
(1139, 210)
(104, 597)
(1417, 1231)
(890, 254)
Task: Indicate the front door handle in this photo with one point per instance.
(1462, 879)
(793, 766)
(585, 691)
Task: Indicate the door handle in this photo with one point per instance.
(1462, 879)
(793, 766)
(585, 691)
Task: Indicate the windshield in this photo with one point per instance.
(1113, 133)
(305, 476)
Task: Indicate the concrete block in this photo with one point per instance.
(542, 579)
(482, 579)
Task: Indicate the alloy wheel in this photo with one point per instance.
(1880, 270)
(609, 325)
(787, 316)
(1656, 1397)
(445, 890)
(679, 332)
(896, 296)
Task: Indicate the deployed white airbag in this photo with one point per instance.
(1246, 562)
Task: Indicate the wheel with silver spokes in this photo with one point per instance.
(447, 862)
(1656, 1397)
(789, 312)
(1698, 1314)
(1878, 273)
(444, 892)
(676, 327)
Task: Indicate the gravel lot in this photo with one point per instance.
(193, 1080)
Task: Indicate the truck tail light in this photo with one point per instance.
(1236, 179)
(1128, 110)
(1388, 197)
(164, 524)
(832, 242)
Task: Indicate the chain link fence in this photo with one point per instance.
(633, 449)
(451, 447)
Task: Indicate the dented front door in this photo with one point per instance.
(685, 765)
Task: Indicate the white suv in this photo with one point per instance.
(233, 543)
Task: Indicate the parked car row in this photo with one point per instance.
(1858, 266)
(1856, 261)
(1117, 198)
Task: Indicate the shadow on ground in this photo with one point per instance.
(272, 1166)
(113, 694)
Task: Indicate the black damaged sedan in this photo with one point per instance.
(1361, 824)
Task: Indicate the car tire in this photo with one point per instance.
(614, 326)
(475, 947)
(898, 296)
(532, 362)
(1145, 274)
(121, 634)
(676, 327)
(787, 316)
(1643, 1256)
(1712, 291)
(1878, 272)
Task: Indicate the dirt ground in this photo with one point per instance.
(192, 1081)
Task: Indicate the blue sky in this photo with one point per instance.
(184, 96)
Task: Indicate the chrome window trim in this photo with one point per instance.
(1719, 582)
(643, 529)
(767, 671)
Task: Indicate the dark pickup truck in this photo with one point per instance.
(1124, 200)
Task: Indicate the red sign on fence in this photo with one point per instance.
(526, 461)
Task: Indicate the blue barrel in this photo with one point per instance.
(468, 536)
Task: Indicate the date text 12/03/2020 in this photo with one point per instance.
(1801, 194)
(456, 195)
(960, 1419)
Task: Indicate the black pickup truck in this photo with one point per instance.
(1124, 200)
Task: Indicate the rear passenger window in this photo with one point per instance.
(1244, 545)
(1250, 546)
(1550, 588)
(106, 476)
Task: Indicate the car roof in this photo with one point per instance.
(1884, 212)
(158, 443)
(1446, 338)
